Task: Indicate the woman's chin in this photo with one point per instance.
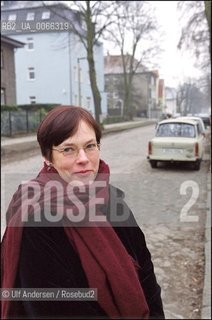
(82, 179)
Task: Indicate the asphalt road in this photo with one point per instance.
(169, 204)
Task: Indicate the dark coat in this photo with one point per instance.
(48, 260)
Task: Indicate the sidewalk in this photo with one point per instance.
(11, 146)
(206, 298)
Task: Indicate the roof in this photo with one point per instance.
(12, 42)
(10, 5)
(190, 117)
(177, 120)
(113, 64)
(60, 14)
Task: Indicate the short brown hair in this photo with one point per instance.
(61, 123)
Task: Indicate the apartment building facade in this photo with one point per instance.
(8, 74)
(53, 67)
(144, 89)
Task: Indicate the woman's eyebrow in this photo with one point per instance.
(67, 144)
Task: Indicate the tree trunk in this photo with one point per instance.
(95, 90)
(92, 70)
(128, 98)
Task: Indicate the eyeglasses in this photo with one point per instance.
(72, 152)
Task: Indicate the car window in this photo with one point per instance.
(199, 121)
(176, 130)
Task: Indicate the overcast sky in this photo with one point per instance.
(174, 66)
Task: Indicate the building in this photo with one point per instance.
(53, 66)
(161, 95)
(171, 100)
(8, 75)
(144, 88)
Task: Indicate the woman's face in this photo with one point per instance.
(83, 162)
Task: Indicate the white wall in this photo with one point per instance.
(56, 70)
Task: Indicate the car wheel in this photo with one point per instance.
(153, 163)
(197, 165)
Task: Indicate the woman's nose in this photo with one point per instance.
(82, 156)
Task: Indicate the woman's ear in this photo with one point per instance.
(48, 163)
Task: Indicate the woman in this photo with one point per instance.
(66, 229)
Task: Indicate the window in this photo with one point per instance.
(32, 100)
(76, 99)
(12, 17)
(45, 15)
(3, 97)
(88, 77)
(150, 93)
(115, 80)
(88, 102)
(75, 74)
(2, 59)
(176, 130)
(30, 43)
(81, 75)
(31, 73)
(153, 94)
(30, 16)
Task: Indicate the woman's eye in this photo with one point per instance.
(68, 150)
(90, 146)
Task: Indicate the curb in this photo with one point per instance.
(127, 126)
(18, 148)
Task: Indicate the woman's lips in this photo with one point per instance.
(84, 172)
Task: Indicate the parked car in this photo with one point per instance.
(200, 126)
(206, 118)
(177, 140)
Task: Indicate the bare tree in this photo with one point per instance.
(190, 99)
(94, 17)
(195, 35)
(135, 24)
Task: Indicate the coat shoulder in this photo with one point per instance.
(116, 191)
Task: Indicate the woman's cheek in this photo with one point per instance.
(65, 165)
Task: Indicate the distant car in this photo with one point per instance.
(177, 140)
(201, 125)
(206, 118)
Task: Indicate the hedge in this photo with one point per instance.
(30, 107)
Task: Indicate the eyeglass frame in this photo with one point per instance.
(97, 146)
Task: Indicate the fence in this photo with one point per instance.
(19, 122)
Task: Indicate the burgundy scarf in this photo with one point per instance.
(106, 263)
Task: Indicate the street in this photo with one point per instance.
(169, 204)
